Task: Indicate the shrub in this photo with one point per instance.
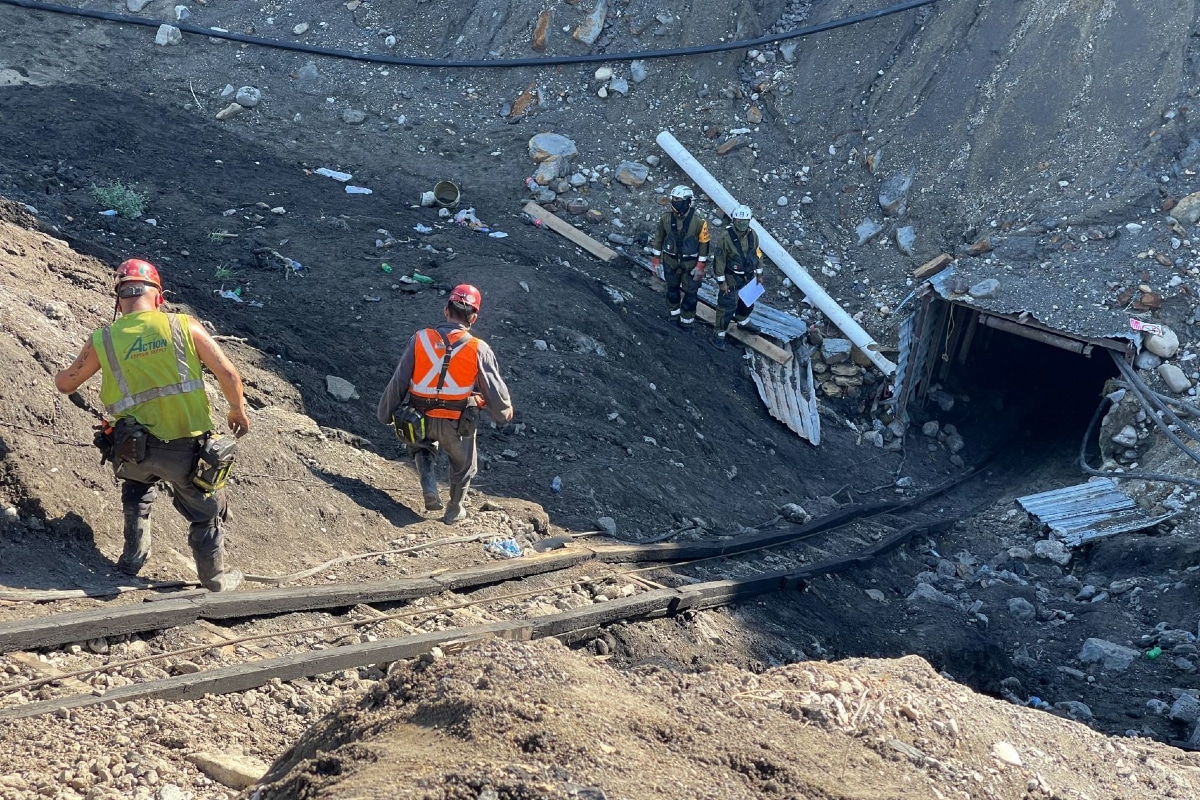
(125, 200)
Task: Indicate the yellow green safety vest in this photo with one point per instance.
(152, 373)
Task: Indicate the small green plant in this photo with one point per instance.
(125, 200)
(220, 236)
(224, 273)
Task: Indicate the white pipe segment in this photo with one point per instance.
(774, 251)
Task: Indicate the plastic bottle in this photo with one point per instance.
(556, 485)
(1154, 652)
(386, 268)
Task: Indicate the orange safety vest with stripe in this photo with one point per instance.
(447, 400)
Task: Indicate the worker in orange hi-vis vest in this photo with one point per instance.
(444, 377)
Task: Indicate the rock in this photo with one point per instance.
(985, 289)
(168, 791)
(867, 230)
(307, 77)
(1122, 586)
(608, 525)
(603, 74)
(230, 111)
(1022, 609)
(631, 173)
(1185, 709)
(236, 772)
(1111, 657)
(353, 116)
(56, 310)
(930, 428)
(1007, 753)
(1080, 712)
(540, 344)
(794, 512)
(248, 97)
(341, 389)
(1126, 437)
(893, 194)
(547, 145)
(168, 35)
(1053, 551)
(182, 13)
(788, 51)
(906, 239)
(836, 351)
(1174, 378)
(1162, 345)
(592, 24)
(1147, 360)
(550, 170)
(1187, 210)
(300, 29)
(637, 71)
(876, 595)
(137, 5)
(924, 593)
(619, 85)
(99, 645)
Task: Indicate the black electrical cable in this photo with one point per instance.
(299, 47)
(1139, 390)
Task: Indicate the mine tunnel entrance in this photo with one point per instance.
(1001, 380)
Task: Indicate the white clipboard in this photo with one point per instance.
(750, 292)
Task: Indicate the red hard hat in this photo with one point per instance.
(135, 269)
(466, 295)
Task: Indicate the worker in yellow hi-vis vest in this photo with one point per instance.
(160, 426)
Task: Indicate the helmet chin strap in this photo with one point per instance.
(125, 292)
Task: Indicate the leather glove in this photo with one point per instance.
(724, 287)
(698, 272)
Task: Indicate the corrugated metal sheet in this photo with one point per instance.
(1093, 510)
(788, 393)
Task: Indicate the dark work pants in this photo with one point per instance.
(175, 465)
(681, 289)
(729, 305)
(442, 437)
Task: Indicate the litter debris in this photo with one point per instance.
(556, 484)
(358, 190)
(498, 235)
(419, 278)
(1146, 327)
(423, 228)
(230, 294)
(428, 199)
(508, 548)
(370, 298)
(468, 218)
(108, 213)
(333, 173)
(386, 268)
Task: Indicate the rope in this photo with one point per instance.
(406, 61)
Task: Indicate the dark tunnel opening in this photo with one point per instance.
(1011, 389)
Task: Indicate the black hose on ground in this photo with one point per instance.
(1147, 476)
(1140, 391)
(404, 61)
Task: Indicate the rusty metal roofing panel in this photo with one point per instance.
(788, 393)
(1089, 511)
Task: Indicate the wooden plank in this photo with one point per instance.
(59, 629)
(45, 670)
(568, 230)
(932, 267)
(754, 342)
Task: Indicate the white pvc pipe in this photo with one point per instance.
(774, 251)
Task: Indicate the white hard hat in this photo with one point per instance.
(742, 212)
(682, 193)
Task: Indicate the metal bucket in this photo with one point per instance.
(445, 194)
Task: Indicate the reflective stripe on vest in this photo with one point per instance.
(460, 375)
(184, 385)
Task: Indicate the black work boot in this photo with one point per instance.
(719, 341)
(456, 510)
(687, 325)
(749, 327)
(137, 543)
(210, 568)
(429, 490)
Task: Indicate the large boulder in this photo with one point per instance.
(1111, 657)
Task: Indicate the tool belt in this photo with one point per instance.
(214, 462)
(130, 440)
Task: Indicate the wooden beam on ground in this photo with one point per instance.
(240, 677)
(45, 670)
(932, 267)
(756, 343)
(60, 629)
(568, 230)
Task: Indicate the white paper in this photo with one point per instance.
(750, 292)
